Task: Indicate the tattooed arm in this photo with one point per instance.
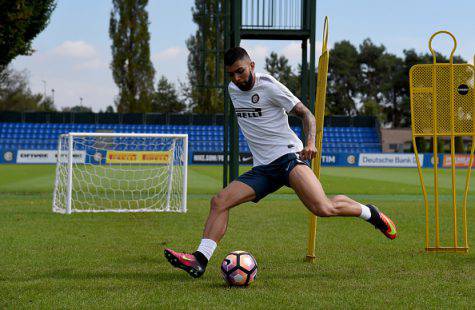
(309, 128)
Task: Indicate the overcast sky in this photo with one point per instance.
(73, 53)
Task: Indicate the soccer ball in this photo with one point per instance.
(239, 268)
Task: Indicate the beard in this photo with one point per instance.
(248, 84)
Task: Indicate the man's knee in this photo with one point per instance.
(323, 209)
(218, 203)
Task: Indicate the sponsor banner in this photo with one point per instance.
(389, 160)
(339, 159)
(137, 157)
(328, 159)
(47, 157)
(461, 160)
(217, 158)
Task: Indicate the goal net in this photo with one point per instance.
(121, 172)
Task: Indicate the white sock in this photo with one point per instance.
(207, 247)
(365, 212)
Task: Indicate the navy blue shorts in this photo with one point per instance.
(266, 179)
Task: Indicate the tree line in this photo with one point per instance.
(362, 80)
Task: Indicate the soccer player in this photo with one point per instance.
(261, 104)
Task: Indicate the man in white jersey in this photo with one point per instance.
(261, 104)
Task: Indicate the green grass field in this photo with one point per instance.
(49, 260)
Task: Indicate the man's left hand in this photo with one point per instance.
(308, 152)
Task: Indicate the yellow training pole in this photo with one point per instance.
(320, 99)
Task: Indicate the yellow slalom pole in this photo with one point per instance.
(320, 99)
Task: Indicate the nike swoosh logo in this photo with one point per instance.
(391, 227)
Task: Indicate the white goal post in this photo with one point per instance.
(121, 172)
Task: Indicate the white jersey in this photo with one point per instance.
(261, 115)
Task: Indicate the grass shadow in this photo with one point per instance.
(80, 275)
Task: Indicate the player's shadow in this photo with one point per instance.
(223, 285)
(138, 260)
(150, 269)
(157, 275)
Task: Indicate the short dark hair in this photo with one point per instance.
(234, 54)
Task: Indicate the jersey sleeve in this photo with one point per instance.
(231, 93)
(282, 96)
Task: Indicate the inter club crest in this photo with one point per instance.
(255, 98)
